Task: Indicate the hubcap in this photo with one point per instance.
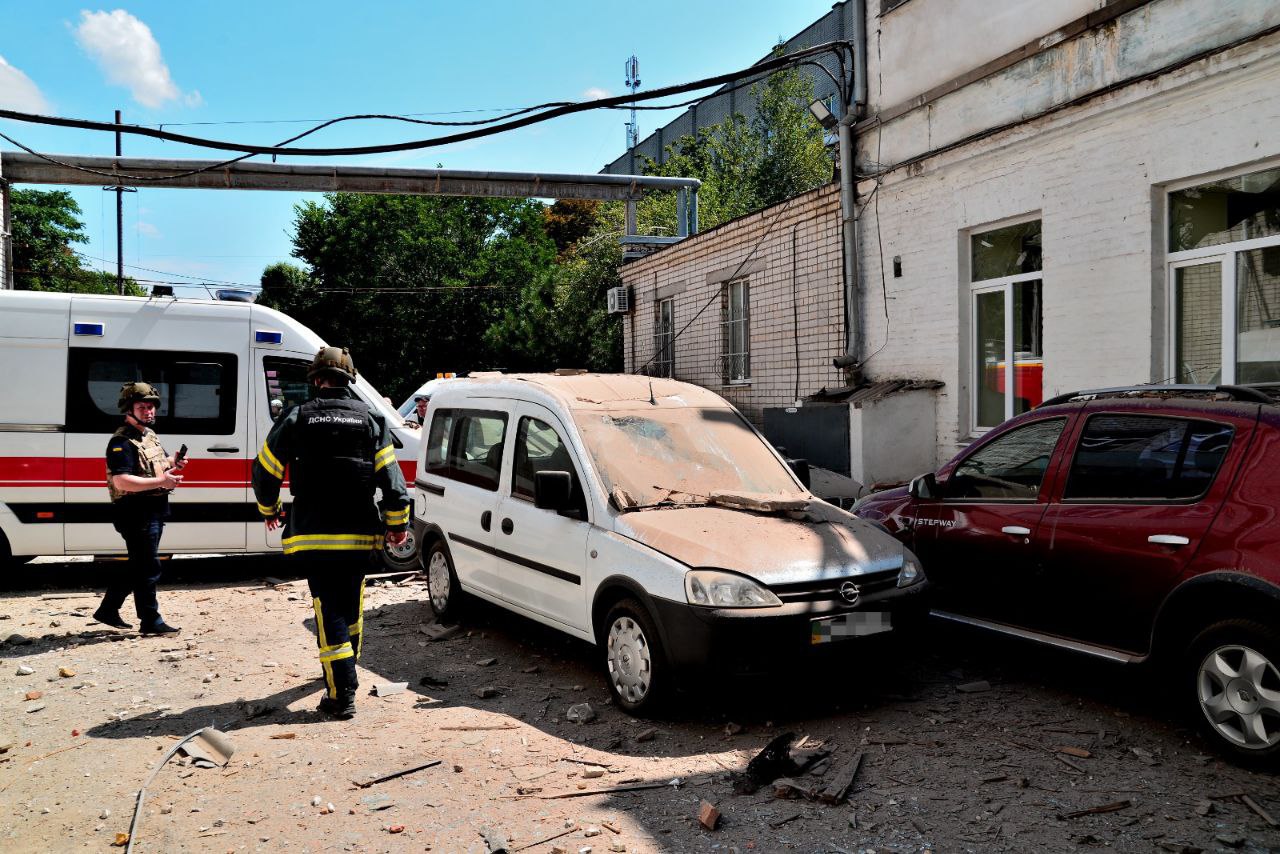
(630, 660)
(438, 581)
(405, 550)
(1239, 693)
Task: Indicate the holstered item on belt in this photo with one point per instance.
(151, 460)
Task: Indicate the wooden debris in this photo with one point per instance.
(1098, 810)
(777, 823)
(838, 788)
(1065, 761)
(476, 728)
(285, 735)
(1257, 808)
(1077, 752)
(789, 787)
(554, 836)
(708, 815)
(367, 783)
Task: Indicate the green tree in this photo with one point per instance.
(46, 225)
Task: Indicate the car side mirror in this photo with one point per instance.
(925, 486)
(553, 490)
(801, 468)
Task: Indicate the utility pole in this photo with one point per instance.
(119, 222)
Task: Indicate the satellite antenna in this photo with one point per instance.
(632, 69)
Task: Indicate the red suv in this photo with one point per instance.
(1128, 524)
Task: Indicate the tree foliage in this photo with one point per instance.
(46, 226)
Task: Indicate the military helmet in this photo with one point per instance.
(333, 360)
(131, 393)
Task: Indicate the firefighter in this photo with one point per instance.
(140, 476)
(337, 453)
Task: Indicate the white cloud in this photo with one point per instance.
(147, 229)
(595, 93)
(18, 92)
(130, 56)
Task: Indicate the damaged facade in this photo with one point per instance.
(1066, 195)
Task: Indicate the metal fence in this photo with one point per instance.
(836, 25)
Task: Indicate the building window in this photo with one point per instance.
(1007, 322)
(664, 338)
(1224, 278)
(736, 324)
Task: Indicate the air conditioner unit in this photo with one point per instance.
(619, 300)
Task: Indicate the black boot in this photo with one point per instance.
(343, 708)
(161, 628)
(110, 618)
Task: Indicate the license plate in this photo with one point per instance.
(858, 624)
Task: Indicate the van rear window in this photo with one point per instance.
(197, 390)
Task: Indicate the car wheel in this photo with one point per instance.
(443, 590)
(1232, 678)
(635, 665)
(401, 558)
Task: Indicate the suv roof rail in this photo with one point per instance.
(1256, 393)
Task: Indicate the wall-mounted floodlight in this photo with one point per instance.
(823, 115)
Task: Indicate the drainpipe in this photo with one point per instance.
(851, 361)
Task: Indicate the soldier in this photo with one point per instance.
(337, 453)
(140, 477)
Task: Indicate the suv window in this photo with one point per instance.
(197, 390)
(1011, 467)
(466, 445)
(1146, 457)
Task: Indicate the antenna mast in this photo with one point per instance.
(632, 68)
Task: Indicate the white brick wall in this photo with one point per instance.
(813, 221)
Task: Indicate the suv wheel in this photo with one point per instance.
(635, 664)
(1235, 685)
(442, 582)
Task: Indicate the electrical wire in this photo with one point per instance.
(874, 197)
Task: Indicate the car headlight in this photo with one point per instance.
(717, 589)
(911, 571)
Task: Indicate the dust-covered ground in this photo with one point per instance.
(1013, 765)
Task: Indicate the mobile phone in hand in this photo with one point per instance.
(179, 457)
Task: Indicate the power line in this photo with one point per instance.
(197, 279)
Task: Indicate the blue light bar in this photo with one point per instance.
(88, 329)
(265, 336)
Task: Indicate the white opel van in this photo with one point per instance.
(223, 370)
(646, 516)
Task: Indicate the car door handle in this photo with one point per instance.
(1168, 540)
(1016, 531)
(223, 449)
(507, 526)
(486, 519)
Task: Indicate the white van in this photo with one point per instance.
(220, 367)
(646, 516)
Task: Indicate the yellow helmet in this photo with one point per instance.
(333, 360)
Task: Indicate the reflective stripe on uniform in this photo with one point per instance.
(331, 542)
(357, 631)
(384, 457)
(269, 511)
(396, 517)
(269, 462)
(328, 666)
(335, 653)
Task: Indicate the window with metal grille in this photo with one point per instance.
(664, 338)
(736, 331)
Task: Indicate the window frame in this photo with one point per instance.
(1044, 480)
(1142, 502)
(727, 324)
(664, 338)
(275, 363)
(448, 469)
(85, 416)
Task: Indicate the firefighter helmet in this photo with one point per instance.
(131, 393)
(333, 360)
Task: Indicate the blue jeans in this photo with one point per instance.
(140, 574)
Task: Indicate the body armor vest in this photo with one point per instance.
(334, 451)
(152, 462)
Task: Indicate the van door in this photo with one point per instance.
(459, 486)
(541, 554)
(204, 405)
(280, 382)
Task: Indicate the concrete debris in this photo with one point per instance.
(617, 846)
(437, 632)
(24, 670)
(34, 695)
(487, 662)
(708, 815)
(270, 664)
(315, 800)
(647, 735)
(1231, 840)
(376, 803)
(592, 773)
(591, 831)
(732, 728)
(974, 687)
(33, 707)
(762, 502)
(487, 692)
(580, 713)
(533, 668)
(209, 677)
(105, 814)
(388, 689)
(1204, 808)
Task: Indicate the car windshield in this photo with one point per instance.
(679, 456)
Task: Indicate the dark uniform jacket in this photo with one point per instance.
(138, 452)
(337, 453)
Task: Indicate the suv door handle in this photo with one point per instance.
(223, 449)
(507, 526)
(486, 519)
(1168, 540)
(1016, 531)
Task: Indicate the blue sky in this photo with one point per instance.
(253, 69)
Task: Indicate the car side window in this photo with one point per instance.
(438, 441)
(1010, 467)
(1145, 457)
(474, 451)
(540, 448)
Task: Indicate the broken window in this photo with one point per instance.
(1224, 278)
(664, 335)
(1008, 322)
(736, 336)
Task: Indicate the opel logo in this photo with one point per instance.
(849, 592)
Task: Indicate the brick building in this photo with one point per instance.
(1066, 194)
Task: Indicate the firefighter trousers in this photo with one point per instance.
(337, 595)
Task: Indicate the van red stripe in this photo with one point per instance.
(92, 471)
